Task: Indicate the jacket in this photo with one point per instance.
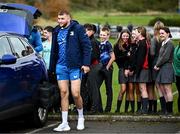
(35, 40)
(176, 60)
(78, 47)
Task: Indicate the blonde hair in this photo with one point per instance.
(106, 30)
(157, 26)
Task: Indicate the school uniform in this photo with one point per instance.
(164, 62)
(143, 73)
(132, 61)
(94, 78)
(122, 62)
(105, 51)
(154, 53)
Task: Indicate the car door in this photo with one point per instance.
(29, 66)
(9, 78)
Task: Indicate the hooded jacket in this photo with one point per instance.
(78, 47)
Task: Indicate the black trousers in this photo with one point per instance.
(85, 93)
(178, 88)
(93, 83)
(106, 76)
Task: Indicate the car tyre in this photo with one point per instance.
(40, 116)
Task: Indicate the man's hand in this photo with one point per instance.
(85, 69)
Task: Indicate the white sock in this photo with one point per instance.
(64, 116)
(80, 113)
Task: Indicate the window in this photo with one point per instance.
(29, 49)
(5, 47)
(18, 47)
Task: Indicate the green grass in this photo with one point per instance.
(113, 18)
(119, 18)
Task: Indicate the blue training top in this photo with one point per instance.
(61, 39)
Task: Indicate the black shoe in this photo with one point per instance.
(107, 110)
(161, 112)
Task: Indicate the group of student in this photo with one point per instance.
(144, 63)
(145, 66)
(81, 63)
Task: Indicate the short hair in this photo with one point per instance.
(63, 11)
(89, 26)
(167, 30)
(49, 28)
(106, 29)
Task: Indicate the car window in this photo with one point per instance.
(4, 47)
(28, 47)
(18, 47)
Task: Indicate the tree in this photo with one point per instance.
(51, 8)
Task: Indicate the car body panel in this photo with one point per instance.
(19, 81)
(9, 23)
(34, 11)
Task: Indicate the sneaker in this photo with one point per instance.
(80, 125)
(62, 127)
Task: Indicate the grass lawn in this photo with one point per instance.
(120, 18)
(113, 18)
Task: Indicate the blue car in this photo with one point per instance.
(22, 80)
(24, 87)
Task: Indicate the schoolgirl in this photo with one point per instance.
(143, 75)
(166, 75)
(122, 54)
(154, 53)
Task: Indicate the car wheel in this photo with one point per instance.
(40, 116)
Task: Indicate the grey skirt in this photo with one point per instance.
(144, 76)
(154, 74)
(166, 74)
(123, 79)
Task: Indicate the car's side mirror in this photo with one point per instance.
(8, 59)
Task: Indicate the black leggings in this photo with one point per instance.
(178, 88)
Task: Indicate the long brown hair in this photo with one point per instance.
(120, 42)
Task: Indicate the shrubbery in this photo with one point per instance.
(167, 22)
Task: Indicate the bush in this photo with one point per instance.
(167, 22)
(130, 7)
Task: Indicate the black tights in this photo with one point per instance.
(178, 88)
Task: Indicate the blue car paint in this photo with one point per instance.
(35, 11)
(14, 24)
(19, 81)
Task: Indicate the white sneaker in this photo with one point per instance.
(80, 125)
(62, 127)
